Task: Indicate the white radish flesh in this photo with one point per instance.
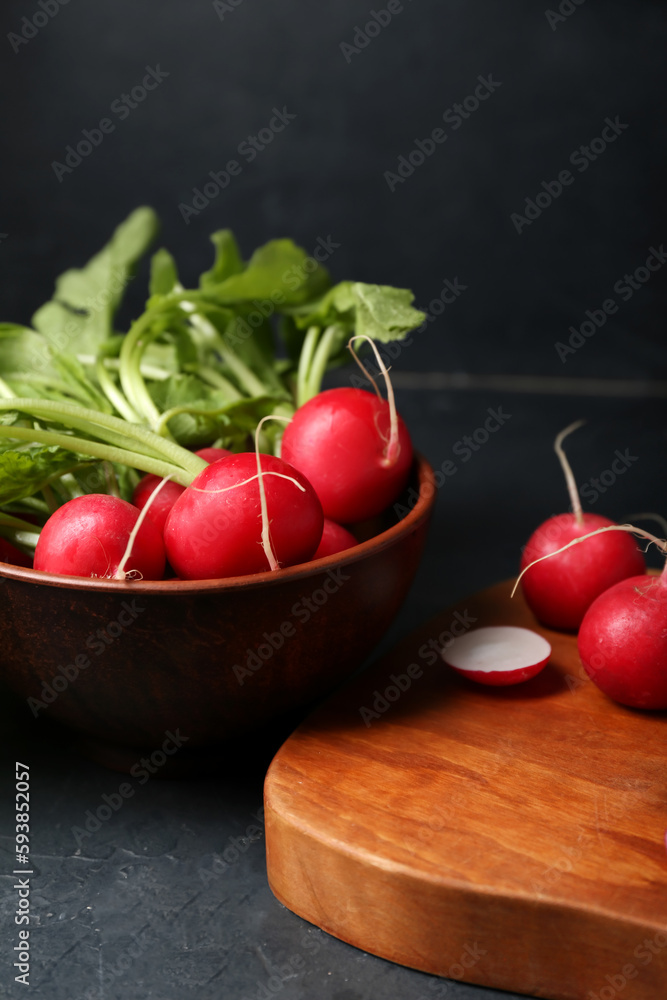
(498, 655)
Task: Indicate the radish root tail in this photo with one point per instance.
(392, 446)
(120, 573)
(267, 544)
(660, 542)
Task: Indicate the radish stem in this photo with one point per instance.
(120, 433)
(392, 450)
(99, 450)
(660, 542)
(113, 393)
(245, 376)
(305, 361)
(319, 362)
(131, 379)
(567, 470)
(5, 391)
(111, 481)
(216, 380)
(11, 521)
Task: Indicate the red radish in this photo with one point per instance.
(167, 497)
(335, 538)
(211, 455)
(165, 500)
(623, 642)
(353, 447)
(623, 636)
(561, 589)
(89, 535)
(498, 655)
(10, 554)
(215, 528)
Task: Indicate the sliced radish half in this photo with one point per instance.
(502, 654)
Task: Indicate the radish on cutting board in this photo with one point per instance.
(622, 642)
(498, 654)
(560, 590)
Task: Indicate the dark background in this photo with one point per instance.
(324, 176)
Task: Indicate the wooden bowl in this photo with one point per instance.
(125, 664)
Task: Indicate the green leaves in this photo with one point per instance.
(22, 351)
(164, 274)
(200, 414)
(378, 311)
(24, 472)
(280, 273)
(80, 315)
(198, 365)
(227, 259)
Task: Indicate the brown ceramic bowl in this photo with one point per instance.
(124, 664)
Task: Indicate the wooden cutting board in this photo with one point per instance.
(511, 837)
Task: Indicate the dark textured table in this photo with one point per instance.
(168, 899)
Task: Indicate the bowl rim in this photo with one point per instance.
(418, 512)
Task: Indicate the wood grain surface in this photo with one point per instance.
(510, 837)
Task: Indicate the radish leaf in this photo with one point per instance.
(23, 473)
